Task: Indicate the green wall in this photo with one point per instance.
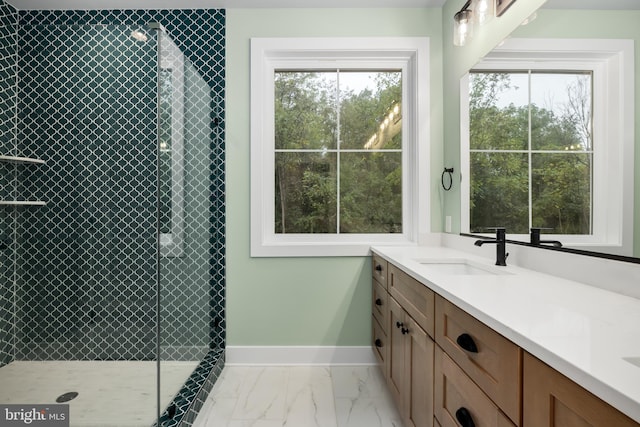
(300, 301)
(326, 301)
(613, 24)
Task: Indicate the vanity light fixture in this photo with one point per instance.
(473, 13)
(463, 25)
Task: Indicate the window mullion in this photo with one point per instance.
(530, 159)
(338, 151)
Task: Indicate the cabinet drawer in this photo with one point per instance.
(380, 344)
(416, 299)
(495, 362)
(379, 267)
(458, 398)
(380, 305)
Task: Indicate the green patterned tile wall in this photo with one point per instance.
(87, 279)
(8, 58)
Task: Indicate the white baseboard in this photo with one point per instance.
(302, 355)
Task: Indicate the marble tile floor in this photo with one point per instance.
(340, 396)
(111, 393)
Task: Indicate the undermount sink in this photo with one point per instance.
(460, 267)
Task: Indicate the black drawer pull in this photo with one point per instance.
(464, 417)
(399, 325)
(404, 331)
(466, 342)
(378, 343)
(378, 301)
(378, 267)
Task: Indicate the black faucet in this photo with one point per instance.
(501, 246)
(535, 238)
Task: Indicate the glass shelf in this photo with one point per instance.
(22, 203)
(21, 160)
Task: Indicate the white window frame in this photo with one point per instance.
(612, 64)
(409, 54)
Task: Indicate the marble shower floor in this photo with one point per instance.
(111, 393)
(344, 396)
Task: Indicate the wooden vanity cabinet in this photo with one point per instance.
(553, 400)
(406, 358)
(445, 368)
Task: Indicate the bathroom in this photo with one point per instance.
(290, 309)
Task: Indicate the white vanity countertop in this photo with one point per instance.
(589, 334)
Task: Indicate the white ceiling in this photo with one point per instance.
(228, 4)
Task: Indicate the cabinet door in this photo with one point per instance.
(553, 400)
(395, 366)
(418, 393)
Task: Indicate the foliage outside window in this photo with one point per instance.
(338, 151)
(531, 151)
(339, 137)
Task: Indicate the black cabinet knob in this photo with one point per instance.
(467, 343)
(378, 267)
(404, 331)
(464, 417)
(399, 325)
(378, 343)
(378, 301)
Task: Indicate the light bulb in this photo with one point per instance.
(482, 11)
(462, 27)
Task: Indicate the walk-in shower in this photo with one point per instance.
(106, 271)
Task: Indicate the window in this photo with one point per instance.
(338, 151)
(334, 144)
(530, 150)
(544, 140)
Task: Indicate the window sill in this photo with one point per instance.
(302, 246)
